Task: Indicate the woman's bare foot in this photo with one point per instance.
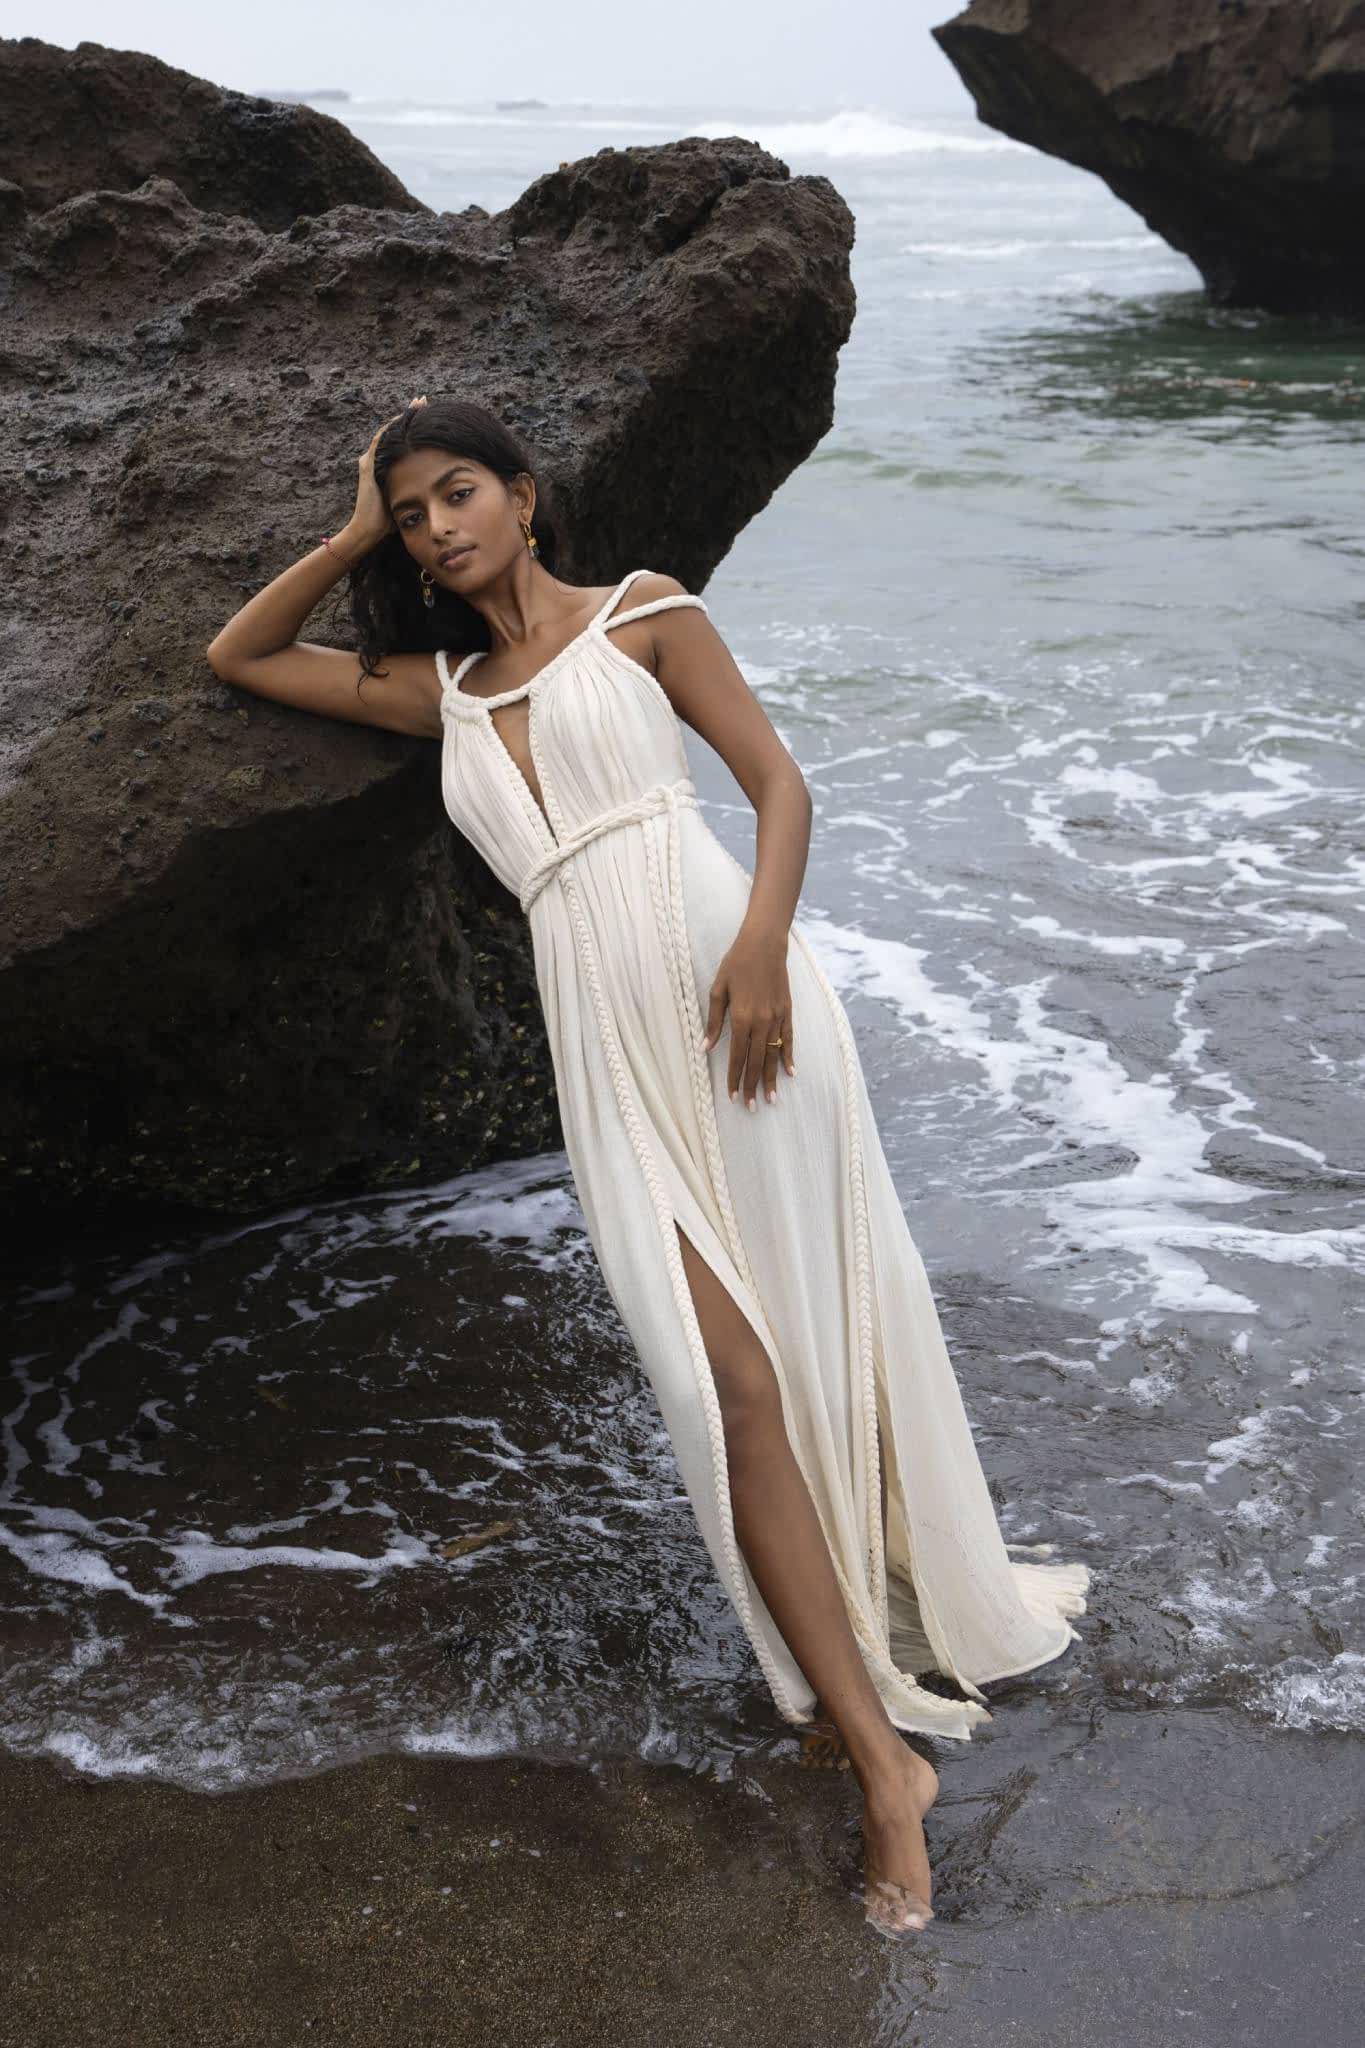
(898, 1886)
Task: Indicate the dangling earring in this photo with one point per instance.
(428, 583)
(532, 543)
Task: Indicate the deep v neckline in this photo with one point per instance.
(513, 764)
(498, 698)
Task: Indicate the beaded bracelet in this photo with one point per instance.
(325, 542)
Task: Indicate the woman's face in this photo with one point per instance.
(457, 519)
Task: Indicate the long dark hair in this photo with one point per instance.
(387, 611)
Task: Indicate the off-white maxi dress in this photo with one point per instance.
(632, 902)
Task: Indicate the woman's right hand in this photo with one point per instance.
(371, 520)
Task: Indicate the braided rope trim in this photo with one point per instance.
(862, 1266)
(663, 1212)
(969, 1711)
(685, 993)
(655, 604)
(682, 1295)
(646, 805)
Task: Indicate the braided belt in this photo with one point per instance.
(662, 796)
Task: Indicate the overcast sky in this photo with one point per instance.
(763, 53)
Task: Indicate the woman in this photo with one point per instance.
(758, 1257)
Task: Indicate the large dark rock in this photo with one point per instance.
(76, 120)
(245, 955)
(1236, 128)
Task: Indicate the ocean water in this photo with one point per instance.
(1063, 622)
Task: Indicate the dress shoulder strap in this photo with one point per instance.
(450, 683)
(640, 611)
(620, 590)
(656, 604)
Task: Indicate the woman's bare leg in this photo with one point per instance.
(784, 1547)
(822, 1749)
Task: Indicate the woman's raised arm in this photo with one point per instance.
(258, 648)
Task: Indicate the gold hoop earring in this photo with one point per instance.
(428, 583)
(532, 543)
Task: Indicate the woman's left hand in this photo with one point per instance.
(751, 982)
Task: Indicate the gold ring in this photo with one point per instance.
(774, 1041)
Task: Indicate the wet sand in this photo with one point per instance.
(1160, 1878)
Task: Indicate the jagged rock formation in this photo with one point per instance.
(95, 119)
(244, 954)
(1236, 128)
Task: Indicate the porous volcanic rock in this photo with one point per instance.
(90, 118)
(1236, 128)
(245, 956)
